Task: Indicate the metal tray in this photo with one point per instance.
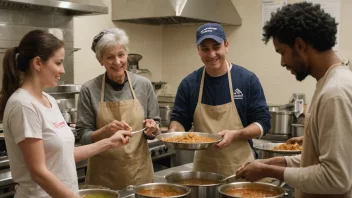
(189, 146)
(269, 148)
(265, 151)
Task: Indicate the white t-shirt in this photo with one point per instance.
(26, 117)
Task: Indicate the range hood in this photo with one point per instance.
(68, 7)
(167, 12)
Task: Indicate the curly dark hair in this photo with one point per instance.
(305, 20)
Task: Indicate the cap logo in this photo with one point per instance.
(208, 29)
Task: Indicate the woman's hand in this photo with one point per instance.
(152, 128)
(114, 126)
(120, 138)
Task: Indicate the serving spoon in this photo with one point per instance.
(226, 178)
(134, 132)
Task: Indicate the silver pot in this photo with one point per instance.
(183, 190)
(197, 190)
(103, 192)
(266, 151)
(297, 130)
(73, 114)
(165, 113)
(281, 122)
(257, 185)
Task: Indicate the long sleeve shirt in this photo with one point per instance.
(89, 99)
(325, 167)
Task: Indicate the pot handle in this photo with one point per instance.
(168, 174)
(130, 188)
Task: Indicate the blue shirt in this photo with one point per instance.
(248, 94)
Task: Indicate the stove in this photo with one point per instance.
(163, 157)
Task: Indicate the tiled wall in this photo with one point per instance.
(15, 24)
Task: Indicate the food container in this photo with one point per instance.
(73, 114)
(249, 185)
(165, 113)
(297, 130)
(205, 190)
(102, 193)
(189, 146)
(266, 151)
(281, 122)
(183, 191)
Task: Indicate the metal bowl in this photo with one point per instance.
(208, 190)
(189, 146)
(266, 151)
(256, 185)
(101, 192)
(183, 190)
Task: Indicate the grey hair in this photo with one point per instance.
(110, 38)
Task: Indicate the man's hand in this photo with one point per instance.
(228, 137)
(251, 171)
(294, 140)
(152, 129)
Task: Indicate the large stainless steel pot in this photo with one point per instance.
(197, 191)
(281, 122)
(257, 185)
(102, 192)
(266, 151)
(184, 190)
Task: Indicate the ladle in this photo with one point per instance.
(226, 178)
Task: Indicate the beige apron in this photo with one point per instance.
(130, 164)
(310, 155)
(213, 119)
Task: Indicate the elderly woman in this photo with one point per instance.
(117, 100)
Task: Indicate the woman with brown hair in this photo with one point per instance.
(39, 143)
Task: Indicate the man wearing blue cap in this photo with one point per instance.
(231, 104)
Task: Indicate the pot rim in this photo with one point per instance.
(188, 190)
(205, 185)
(282, 190)
(99, 191)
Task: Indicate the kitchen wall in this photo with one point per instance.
(170, 51)
(145, 40)
(180, 55)
(15, 24)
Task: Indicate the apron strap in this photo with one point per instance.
(230, 83)
(202, 85)
(129, 82)
(103, 88)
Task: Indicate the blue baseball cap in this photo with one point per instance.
(212, 31)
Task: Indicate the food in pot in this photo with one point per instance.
(160, 192)
(189, 138)
(98, 196)
(288, 147)
(250, 192)
(197, 182)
